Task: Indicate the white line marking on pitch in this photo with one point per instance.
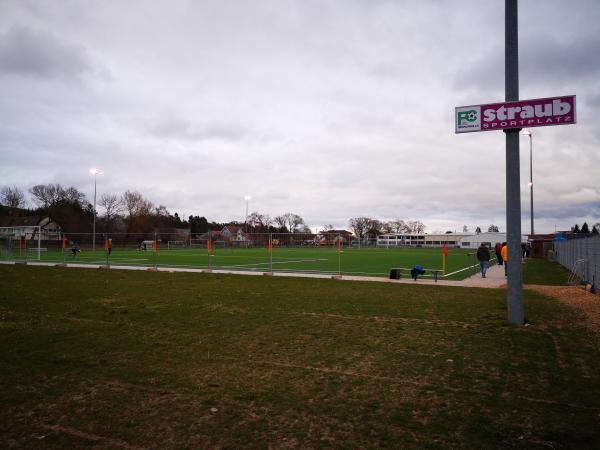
(280, 262)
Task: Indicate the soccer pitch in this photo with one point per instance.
(349, 261)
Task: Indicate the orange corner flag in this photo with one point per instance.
(445, 251)
(270, 246)
(209, 246)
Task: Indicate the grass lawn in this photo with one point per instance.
(120, 359)
(542, 271)
(352, 261)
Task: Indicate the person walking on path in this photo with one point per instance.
(483, 256)
(498, 249)
(504, 254)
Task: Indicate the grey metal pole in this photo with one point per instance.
(246, 219)
(531, 176)
(513, 189)
(94, 227)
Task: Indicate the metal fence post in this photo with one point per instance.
(270, 245)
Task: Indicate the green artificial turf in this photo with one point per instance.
(92, 358)
(351, 261)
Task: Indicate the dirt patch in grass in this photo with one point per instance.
(575, 297)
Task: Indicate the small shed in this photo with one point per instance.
(541, 244)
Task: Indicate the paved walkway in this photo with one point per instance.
(494, 279)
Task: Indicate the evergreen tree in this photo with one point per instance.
(575, 229)
(585, 229)
(594, 230)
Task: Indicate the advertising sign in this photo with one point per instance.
(522, 114)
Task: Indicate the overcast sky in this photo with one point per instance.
(328, 109)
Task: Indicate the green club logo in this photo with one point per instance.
(469, 116)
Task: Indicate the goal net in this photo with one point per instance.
(203, 243)
(20, 243)
(172, 245)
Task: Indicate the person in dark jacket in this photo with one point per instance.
(416, 271)
(498, 249)
(483, 256)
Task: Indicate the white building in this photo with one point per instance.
(491, 239)
(419, 240)
(452, 240)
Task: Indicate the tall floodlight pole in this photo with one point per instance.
(513, 190)
(247, 198)
(530, 134)
(94, 172)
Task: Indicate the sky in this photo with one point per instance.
(327, 109)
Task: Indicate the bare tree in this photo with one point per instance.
(259, 222)
(46, 195)
(398, 226)
(415, 227)
(387, 227)
(359, 226)
(419, 227)
(135, 204)
(304, 229)
(138, 211)
(328, 227)
(73, 195)
(12, 197)
(113, 206)
(374, 227)
(280, 221)
(293, 222)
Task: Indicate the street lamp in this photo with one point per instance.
(247, 198)
(95, 172)
(530, 134)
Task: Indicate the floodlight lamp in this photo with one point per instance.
(530, 184)
(527, 133)
(247, 197)
(96, 172)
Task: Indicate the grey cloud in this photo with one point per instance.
(38, 54)
(555, 60)
(543, 60)
(175, 128)
(588, 209)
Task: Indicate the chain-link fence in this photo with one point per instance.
(581, 256)
(232, 249)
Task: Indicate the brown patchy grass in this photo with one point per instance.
(576, 297)
(157, 360)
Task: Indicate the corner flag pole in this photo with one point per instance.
(444, 256)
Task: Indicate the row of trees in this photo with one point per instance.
(367, 226)
(129, 212)
(585, 229)
(284, 223)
